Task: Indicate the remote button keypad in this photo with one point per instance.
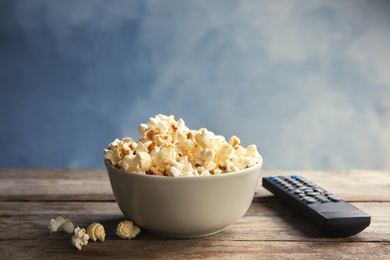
(305, 190)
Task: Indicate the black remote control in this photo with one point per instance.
(337, 216)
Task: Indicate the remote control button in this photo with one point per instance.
(319, 190)
(294, 176)
(323, 200)
(312, 194)
(334, 198)
(309, 200)
(308, 190)
(295, 182)
(307, 183)
(273, 177)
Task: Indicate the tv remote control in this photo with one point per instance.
(337, 216)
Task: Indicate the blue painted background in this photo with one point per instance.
(307, 81)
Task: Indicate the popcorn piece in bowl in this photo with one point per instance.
(168, 147)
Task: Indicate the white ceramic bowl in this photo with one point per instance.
(184, 207)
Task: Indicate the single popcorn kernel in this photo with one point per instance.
(80, 238)
(127, 230)
(144, 160)
(165, 155)
(169, 148)
(234, 141)
(59, 224)
(173, 171)
(96, 231)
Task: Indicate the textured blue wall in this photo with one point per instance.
(307, 81)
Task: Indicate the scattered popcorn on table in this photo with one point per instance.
(127, 230)
(96, 231)
(80, 238)
(59, 224)
(169, 148)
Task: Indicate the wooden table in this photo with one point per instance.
(29, 198)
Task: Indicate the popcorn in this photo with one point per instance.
(163, 157)
(127, 230)
(234, 141)
(173, 171)
(96, 232)
(169, 148)
(59, 224)
(144, 160)
(80, 238)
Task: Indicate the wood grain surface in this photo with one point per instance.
(270, 229)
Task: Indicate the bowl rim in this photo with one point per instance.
(245, 171)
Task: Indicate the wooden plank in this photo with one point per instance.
(193, 249)
(93, 185)
(264, 221)
(54, 185)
